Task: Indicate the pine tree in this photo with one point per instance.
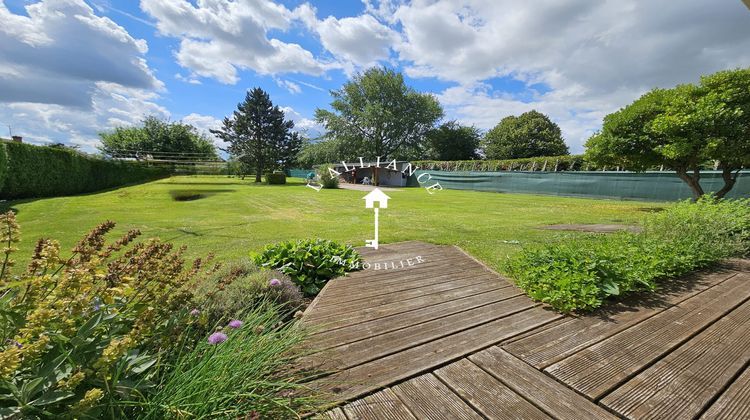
(258, 135)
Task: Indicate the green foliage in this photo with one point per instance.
(79, 335)
(328, 179)
(452, 141)
(377, 114)
(246, 376)
(259, 136)
(545, 163)
(310, 263)
(579, 274)
(34, 171)
(531, 134)
(320, 152)
(682, 128)
(238, 285)
(162, 139)
(3, 165)
(276, 178)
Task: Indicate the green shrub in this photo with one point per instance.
(327, 179)
(276, 178)
(35, 171)
(581, 273)
(3, 165)
(239, 285)
(246, 376)
(80, 335)
(310, 263)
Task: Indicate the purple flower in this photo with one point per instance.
(15, 343)
(195, 312)
(275, 282)
(235, 323)
(217, 337)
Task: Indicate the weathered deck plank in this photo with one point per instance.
(546, 393)
(348, 334)
(428, 398)
(452, 339)
(734, 403)
(683, 383)
(485, 393)
(382, 405)
(544, 348)
(596, 370)
(379, 346)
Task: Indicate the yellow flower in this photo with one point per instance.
(89, 400)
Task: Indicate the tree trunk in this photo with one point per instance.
(729, 180)
(693, 181)
(259, 174)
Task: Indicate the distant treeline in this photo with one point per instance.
(28, 171)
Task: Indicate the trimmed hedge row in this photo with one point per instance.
(548, 163)
(28, 171)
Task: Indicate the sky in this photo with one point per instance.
(70, 69)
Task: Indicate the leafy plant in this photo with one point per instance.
(310, 263)
(579, 274)
(327, 179)
(276, 178)
(80, 334)
(239, 285)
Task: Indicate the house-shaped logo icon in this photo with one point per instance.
(376, 196)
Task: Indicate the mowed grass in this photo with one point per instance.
(232, 217)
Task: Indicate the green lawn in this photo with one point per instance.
(236, 217)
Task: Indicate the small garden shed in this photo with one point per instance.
(383, 175)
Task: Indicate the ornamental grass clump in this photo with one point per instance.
(581, 273)
(248, 368)
(80, 335)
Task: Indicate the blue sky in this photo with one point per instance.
(70, 69)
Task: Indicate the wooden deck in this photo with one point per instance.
(431, 333)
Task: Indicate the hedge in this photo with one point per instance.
(276, 178)
(548, 163)
(28, 171)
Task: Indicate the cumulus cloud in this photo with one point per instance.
(204, 124)
(356, 42)
(66, 74)
(220, 37)
(57, 54)
(593, 57)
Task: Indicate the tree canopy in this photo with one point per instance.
(684, 128)
(165, 140)
(452, 141)
(531, 134)
(377, 114)
(259, 136)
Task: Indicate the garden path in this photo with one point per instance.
(433, 333)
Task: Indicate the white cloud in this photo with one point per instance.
(220, 37)
(306, 126)
(290, 86)
(356, 42)
(593, 56)
(204, 124)
(66, 74)
(112, 106)
(43, 58)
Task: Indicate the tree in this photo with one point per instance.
(166, 140)
(452, 141)
(684, 128)
(531, 134)
(258, 135)
(376, 114)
